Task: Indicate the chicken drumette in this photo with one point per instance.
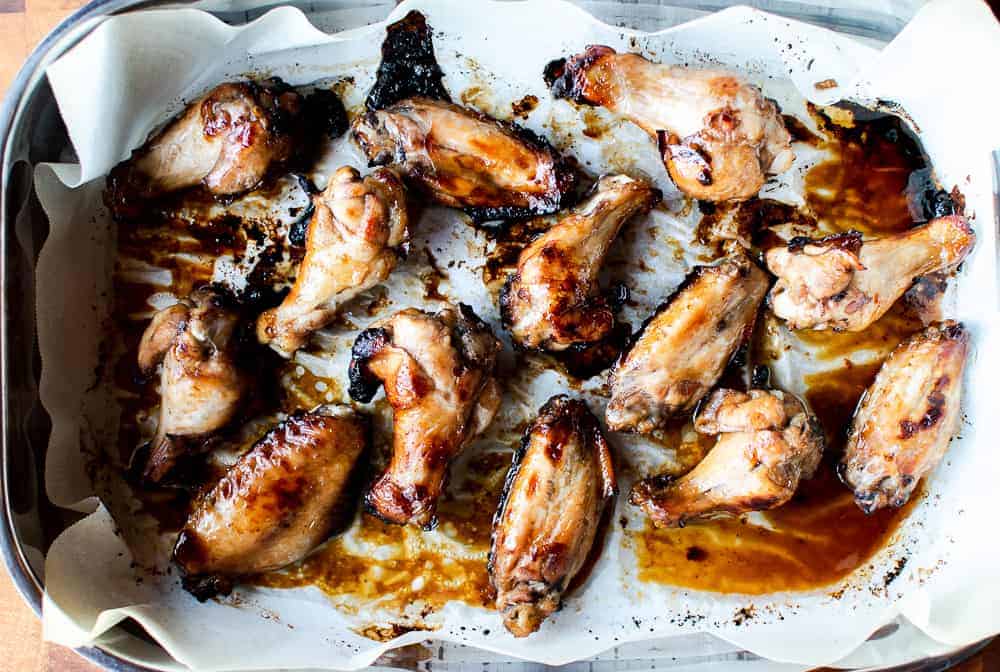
(438, 374)
(556, 491)
(356, 235)
(226, 140)
(464, 159)
(200, 384)
(279, 501)
(718, 136)
(685, 346)
(552, 300)
(907, 418)
(767, 443)
(844, 283)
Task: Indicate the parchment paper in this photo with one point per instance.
(133, 72)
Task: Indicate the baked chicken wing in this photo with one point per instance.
(552, 299)
(438, 374)
(355, 237)
(718, 136)
(201, 385)
(767, 443)
(556, 491)
(685, 346)
(907, 418)
(227, 140)
(279, 501)
(464, 159)
(844, 283)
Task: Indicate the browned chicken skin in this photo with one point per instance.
(464, 159)
(353, 243)
(843, 283)
(767, 443)
(907, 418)
(226, 140)
(718, 136)
(552, 300)
(200, 384)
(555, 495)
(438, 374)
(280, 500)
(684, 347)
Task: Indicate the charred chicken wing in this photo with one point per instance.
(464, 159)
(438, 374)
(767, 443)
(555, 494)
(552, 300)
(226, 140)
(685, 346)
(353, 243)
(906, 419)
(279, 501)
(844, 283)
(718, 136)
(200, 383)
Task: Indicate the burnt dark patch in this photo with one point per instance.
(566, 78)
(587, 360)
(409, 66)
(696, 554)
(523, 107)
(799, 131)
(849, 241)
(363, 383)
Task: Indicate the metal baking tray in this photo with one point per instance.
(31, 131)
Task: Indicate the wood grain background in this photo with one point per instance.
(23, 24)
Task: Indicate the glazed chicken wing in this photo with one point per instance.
(552, 300)
(555, 494)
(226, 140)
(280, 500)
(718, 136)
(438, 373)
(843, 283)
(200, 384)
(353, 243)
(464, 159)
(685, 346)
(907, 418)
(767, 443)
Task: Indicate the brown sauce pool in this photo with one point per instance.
(815, 540)
(412, 571)
(876, 180)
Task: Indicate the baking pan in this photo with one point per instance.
(31, 132)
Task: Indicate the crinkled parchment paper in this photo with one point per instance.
(134, 71)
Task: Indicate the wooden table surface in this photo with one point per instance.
(23, 23)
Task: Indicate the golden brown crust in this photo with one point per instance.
(685, 346)
(556, 491)
(438, 375)
(767, 443)
(907, 418)
(552, 300)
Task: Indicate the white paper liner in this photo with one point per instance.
(132, 73)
